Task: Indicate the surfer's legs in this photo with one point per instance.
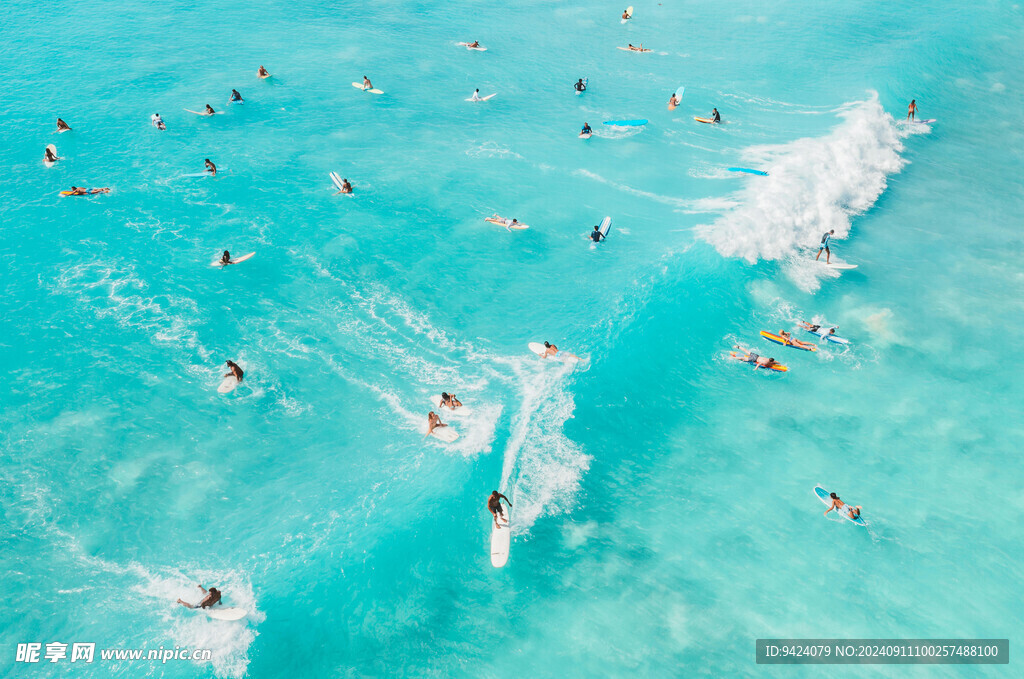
(185, 604)
(819, 255)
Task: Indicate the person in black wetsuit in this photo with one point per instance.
(211, 168)
(580, 86)
(715, 116)
(235, 96)
(586, 129)
(596, 234)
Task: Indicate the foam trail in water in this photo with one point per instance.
(814, 185)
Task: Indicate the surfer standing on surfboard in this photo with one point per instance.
(212, 597)
(912, 109)
(494, 504)
(235, 370)
(824, 245)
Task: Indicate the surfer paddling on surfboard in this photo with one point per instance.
(811, 327)
(449, 401)
(794, 342)
(494, 505)
(212, 596)
(841, 508)
(825, 238)
(210, 167)
(433, 422)
(158, 122)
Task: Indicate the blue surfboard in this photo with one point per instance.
(626, 123)
(824, 497)
(748, 171)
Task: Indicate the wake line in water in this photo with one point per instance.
(815, 184)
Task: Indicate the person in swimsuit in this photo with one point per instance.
(209, 111)
(225, 259)
(234, 370)
(367, 85)
(345, 187)
(235, 96)
(809, 326)
(79, 191)
(842, 508)
(211, 597)
(62, 126)
(638, 49)
(449, 401)
(673, 100)
(586, 129)
(596, 234)
(476, 95)
(715, 116)
(549, 349)
(433, 422)
(626, 15)
(494, 505)
(580, 87)
(825, 238)
(912, 109)
(262, 72)
(211, 168)
(158, 122)
(793, 342)
(475, 43)
(49, 156)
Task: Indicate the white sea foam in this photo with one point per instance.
(815, 184)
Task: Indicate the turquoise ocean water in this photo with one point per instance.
(664, 514)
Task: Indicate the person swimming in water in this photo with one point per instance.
(211, 168)
(62, 126)
(433, 422)
(157, 121)
(586, 129)
(841, 507)
(235, 96)
(367, 85)
(715, 116)
(912, 109)
(596, 234)
(825, 238)
(494, 505)
(580, 86)
(449, 401)
(235, 370)
(262, 72)
(211, 598)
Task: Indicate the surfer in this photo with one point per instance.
(62, 126)
(82, 191)
(825, 238)
(549, 349)
(158, 122)
(580, 85)
(211, 597)
(449, 401)
(345, 187)
(494, 504)
(586, 129)
(673, 101)
(49, 156)
(715, 116)
(758, 361)
(912, 109)
(840, 506)
(433, 422)
(810, 326)
(211, 168)
(637, 49)
(596, 234)
(476, 95)
(626, 16)
(367, 85)
(473, 45)
(235, 96)
(234, 368)
(793, 342)
(225, 259)
(262, 72)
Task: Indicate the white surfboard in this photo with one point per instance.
(236, 260)
(606, 224)
(228, 384)
(226, 613)
(482, 98)
(435, 402)
(467, 46)
(446, 434)
(501, 538)
(841, 265)
(373, 91)
(337, 180)
(204, 113)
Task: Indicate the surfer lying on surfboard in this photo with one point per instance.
(637, 49)
(158, 122)
(212, 596)
(494, 505)
(814, 328)
(794, 342)
(433, 422)
(841, 507)
(82, 191)
(758, 361)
